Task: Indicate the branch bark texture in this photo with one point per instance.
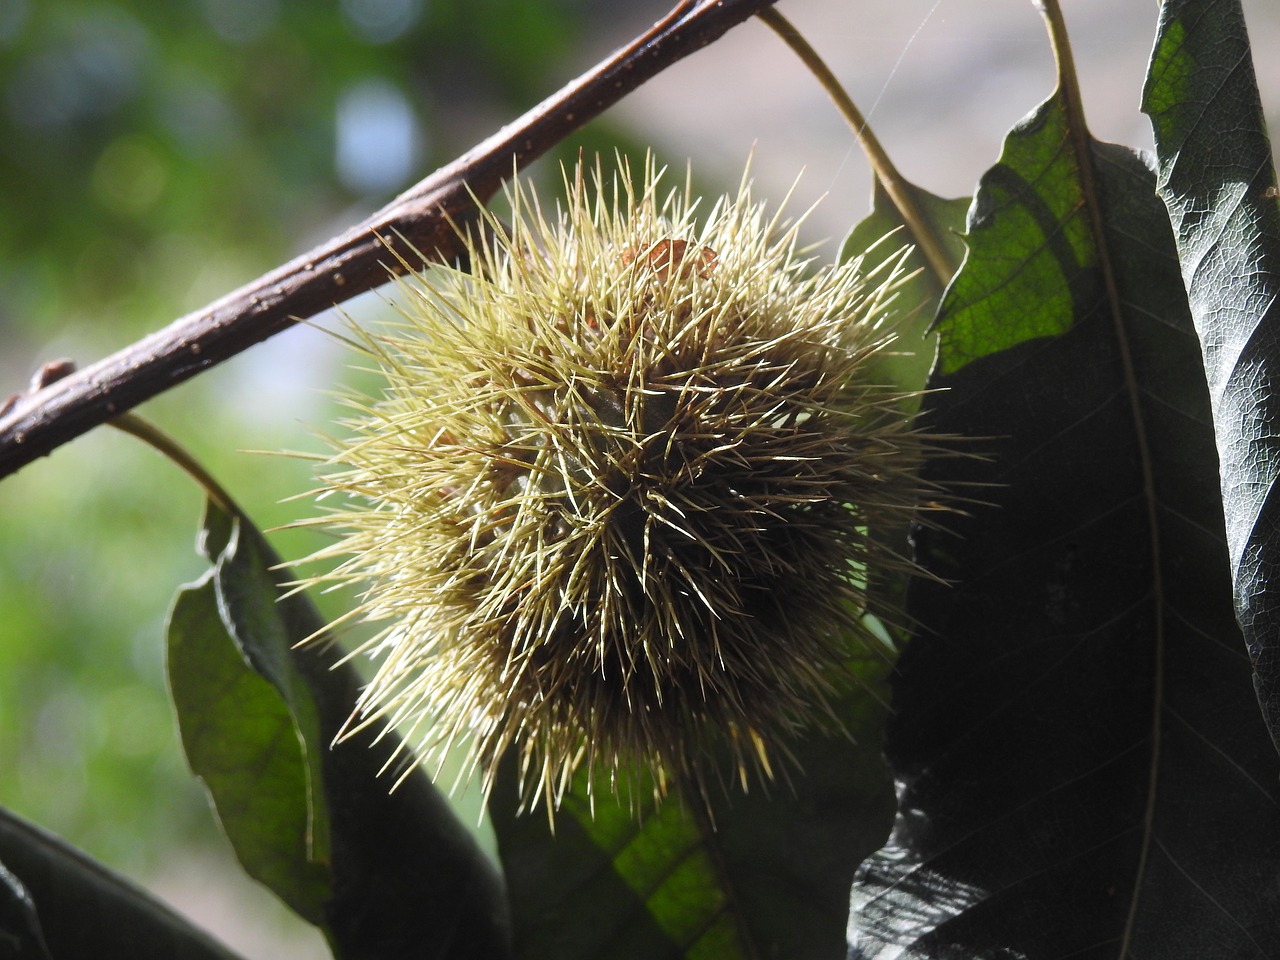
(418, 221)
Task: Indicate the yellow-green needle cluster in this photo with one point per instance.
(612, 507)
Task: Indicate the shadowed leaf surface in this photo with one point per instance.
(769, 877)
(1219, 184)
(384, 874)
(54, 897)
(1081, 770)
(20, 933)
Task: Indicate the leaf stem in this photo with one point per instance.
(157, 439)
(895, 185)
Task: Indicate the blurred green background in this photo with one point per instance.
(155, 154)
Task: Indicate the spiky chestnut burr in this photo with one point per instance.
(613, 504)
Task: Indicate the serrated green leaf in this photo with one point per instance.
(266, 635)
(1081, 771)
(757, 874)
(1218, 181)
(1031, 210)
(55, 898)
(403, 875)
(241, 740)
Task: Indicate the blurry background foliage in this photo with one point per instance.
(155, 154)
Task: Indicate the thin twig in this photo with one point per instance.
(416, 222)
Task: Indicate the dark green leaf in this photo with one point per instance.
(240, 739)
(907, 365)
(1081, 770)
(566, 898)
(769, 878)
(1219, 184)
(20, 933)
(86, 912)
(406, 878)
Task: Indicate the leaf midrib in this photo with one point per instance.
(1082, 149)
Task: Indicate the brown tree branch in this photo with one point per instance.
(36, 423)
